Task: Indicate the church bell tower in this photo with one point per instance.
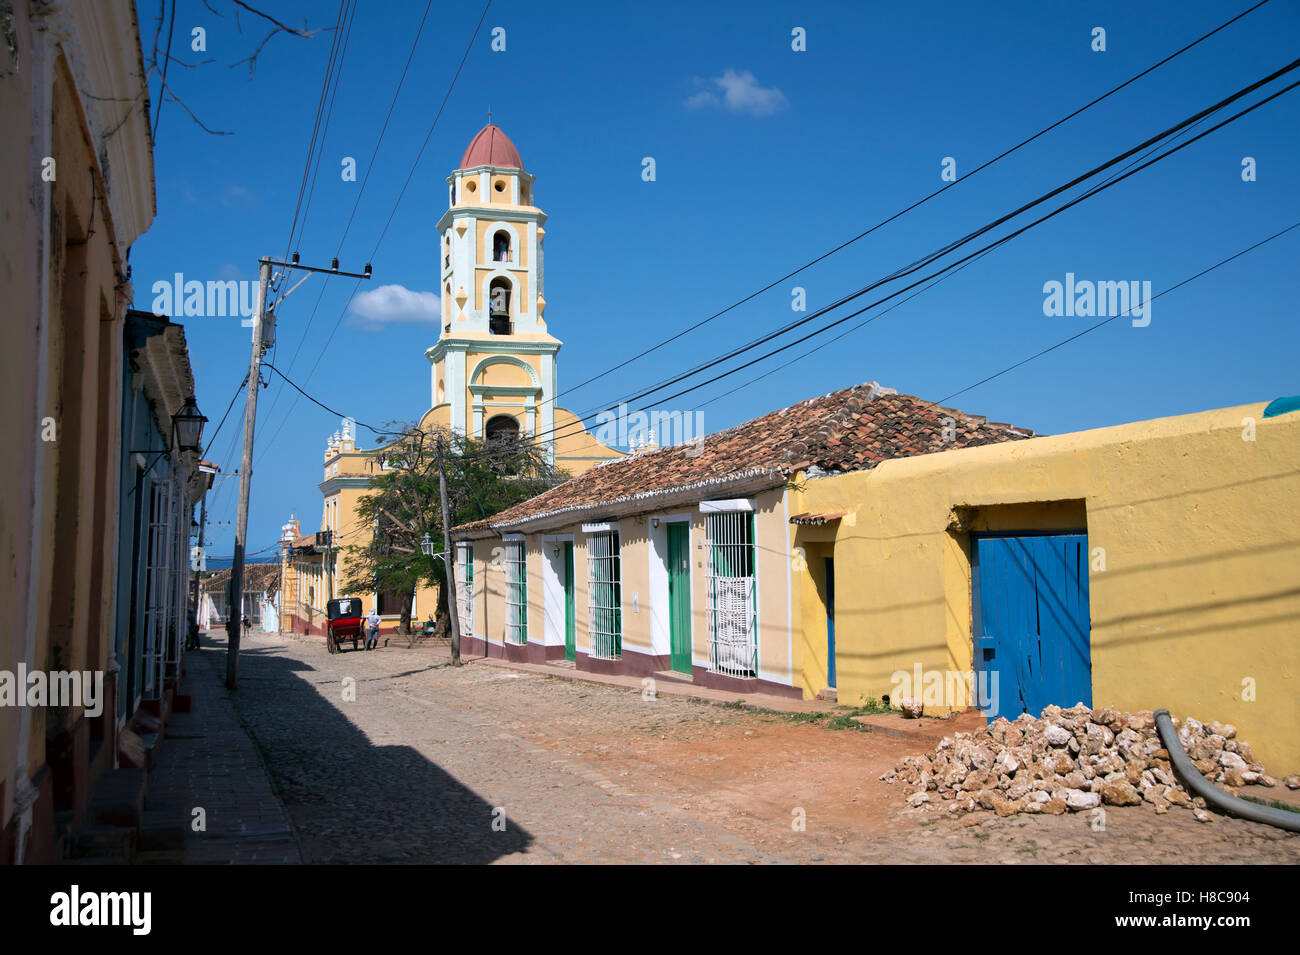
(493, 368)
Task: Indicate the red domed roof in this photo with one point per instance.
(491, 147)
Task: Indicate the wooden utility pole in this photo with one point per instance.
(236, 619)
(260, 343)
(449, 568)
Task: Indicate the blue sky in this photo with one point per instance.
(765, 158)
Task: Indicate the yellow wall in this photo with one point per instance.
(1201, 587)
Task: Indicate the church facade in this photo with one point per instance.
(493, 371)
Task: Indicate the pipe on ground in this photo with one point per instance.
(1282, 818)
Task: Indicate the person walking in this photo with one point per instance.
(372, 633)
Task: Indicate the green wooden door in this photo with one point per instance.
(570, 644)
(679, 595)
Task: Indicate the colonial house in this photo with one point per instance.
(681, 562)
(97, 486)
(873, 545)
(1139, 566)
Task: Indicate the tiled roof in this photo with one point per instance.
(817, 520)
(257, 577)
(848, 430)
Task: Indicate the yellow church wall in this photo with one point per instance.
(1197, 608)
(503, 374)
(576, 449)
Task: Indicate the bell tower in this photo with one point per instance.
(494, 364)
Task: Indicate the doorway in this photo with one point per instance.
(1032, 621)
(679, 596)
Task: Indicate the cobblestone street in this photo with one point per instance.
(394, 756)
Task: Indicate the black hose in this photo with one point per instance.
(1282, 818)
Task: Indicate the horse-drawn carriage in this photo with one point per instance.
(344, 620)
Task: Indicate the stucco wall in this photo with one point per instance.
(1199, 601)
(644, 585)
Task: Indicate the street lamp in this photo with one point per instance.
(188, 424)
(427, 548)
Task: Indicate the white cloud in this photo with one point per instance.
(737, 92)
(390, 304)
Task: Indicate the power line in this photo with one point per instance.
(321, 404)
(233, 398)
(859, 325)
(915, 205)
(1093, 328)
(1092, 192)
(1195, 118)
(330, 64)
(329, 114)
(446, 96)
(356, 204)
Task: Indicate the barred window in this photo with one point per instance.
(605, 595)
(465, 588)
(732, 604)
(516, 593)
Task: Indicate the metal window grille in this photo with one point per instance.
(465, 589)
(157, 594)
(180, 571)
(516, 593)
(604, 595)
(732, 606)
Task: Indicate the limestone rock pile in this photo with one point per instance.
(1075, 759)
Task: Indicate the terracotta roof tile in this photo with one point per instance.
(848, 430)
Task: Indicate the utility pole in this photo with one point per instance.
(265, 320)
(245, 468)
(448, 567)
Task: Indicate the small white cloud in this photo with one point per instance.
(739, 93)
(373, 309)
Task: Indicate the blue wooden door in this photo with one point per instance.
(1032, 626)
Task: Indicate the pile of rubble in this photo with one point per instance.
(1075, 759)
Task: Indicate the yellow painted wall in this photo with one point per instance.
(576, 448)
(1201, 588)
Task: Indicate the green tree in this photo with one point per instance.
(402, 507)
